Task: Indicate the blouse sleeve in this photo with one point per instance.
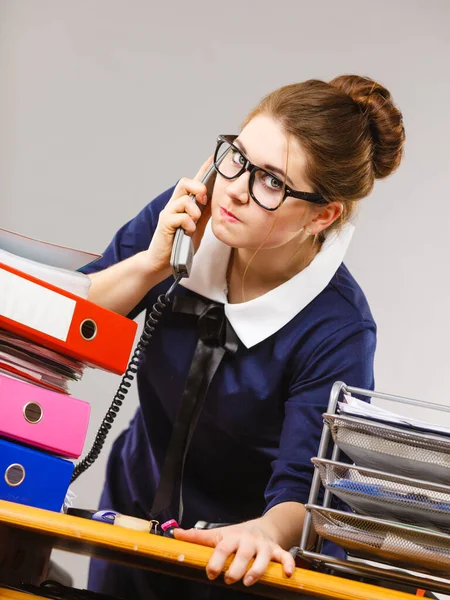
(135, 236)
(347, 355)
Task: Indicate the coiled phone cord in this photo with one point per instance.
(135, 362)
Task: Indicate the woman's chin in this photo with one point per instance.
(222, 232)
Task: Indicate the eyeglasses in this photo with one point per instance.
(264, 187)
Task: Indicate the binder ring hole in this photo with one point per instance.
(33, 412)
(14, 475)
(88, 329)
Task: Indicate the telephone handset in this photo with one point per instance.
(183, 249)
(181, 263)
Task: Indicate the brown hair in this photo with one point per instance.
(350, 129)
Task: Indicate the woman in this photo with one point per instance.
(271, 241)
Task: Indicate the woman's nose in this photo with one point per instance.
(238, 189)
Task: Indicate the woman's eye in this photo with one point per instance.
(238, 159)
(272, 182)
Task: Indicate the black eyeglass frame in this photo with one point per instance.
(252, 169)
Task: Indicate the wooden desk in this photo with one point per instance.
(6, 594)
(166, 555)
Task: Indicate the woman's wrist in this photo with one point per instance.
(122, 286)
(283, 523)
(269, 528)
(148, 271)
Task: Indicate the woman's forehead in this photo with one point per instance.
(265, 142)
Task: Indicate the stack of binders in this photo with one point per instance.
(48, 335)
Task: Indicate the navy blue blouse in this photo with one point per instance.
(261, 420)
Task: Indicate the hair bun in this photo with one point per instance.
(384, 120)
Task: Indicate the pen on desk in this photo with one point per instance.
(112, 517)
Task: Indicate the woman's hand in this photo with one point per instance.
(180, 211)
(248, 541)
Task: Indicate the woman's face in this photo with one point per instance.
(237, 220)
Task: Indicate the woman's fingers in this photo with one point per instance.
(285, 558)
(193, 187)
(184, 212)
(207, 537)
(205, 166)
(264, 553)
(259, 566)
(174, 221)
(245, 553)
(220, 556)
(212, 537)
(180, 211)
(187, 205)
(252, 554)
(188, 187)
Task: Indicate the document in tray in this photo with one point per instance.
(37, 364)
(427, 555)
(53, 255)
(358, 408)
(371, 486)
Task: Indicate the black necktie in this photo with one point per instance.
(216, 337)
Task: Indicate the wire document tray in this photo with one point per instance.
(395, 449)
(386, 496)
(376, 539)
(398, 488)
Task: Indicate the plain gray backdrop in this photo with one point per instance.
(105, 103)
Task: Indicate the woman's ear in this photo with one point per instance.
(325, 216)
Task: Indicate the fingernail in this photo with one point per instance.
(210, 575)
(248, 580)
(289, 571)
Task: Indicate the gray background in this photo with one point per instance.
(105, 103)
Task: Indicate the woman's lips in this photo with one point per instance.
(228, 216)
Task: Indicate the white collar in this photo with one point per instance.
(258, 319)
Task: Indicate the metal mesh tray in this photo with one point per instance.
(390, 543)
(387, 496)
(394, 449)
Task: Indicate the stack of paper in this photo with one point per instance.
(357, 408)
(34, 363)
(71, 281)
(46, 253)
(54, 264)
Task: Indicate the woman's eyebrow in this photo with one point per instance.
(271, 168)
